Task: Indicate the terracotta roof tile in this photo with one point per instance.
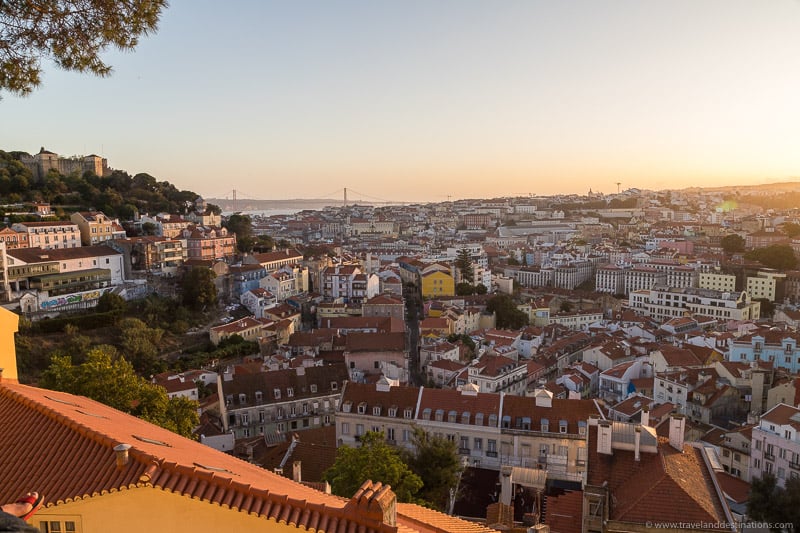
(62, 445)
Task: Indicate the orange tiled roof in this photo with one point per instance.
(63, 445)
(661, 487)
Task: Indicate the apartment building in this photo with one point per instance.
(775, 448)
(95, 227)
(274, 402)
(51, 235)
(664, 303)
(780, 348)
(490, 429)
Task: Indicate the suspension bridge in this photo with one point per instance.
(236, 199)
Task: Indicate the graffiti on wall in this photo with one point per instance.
(70, 299)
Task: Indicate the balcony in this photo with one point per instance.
(794, 466)
(769, 456)
(463, 451)
(490, 453)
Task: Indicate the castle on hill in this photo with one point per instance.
(41, 163)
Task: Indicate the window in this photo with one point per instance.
(277, 394)
(452, 417)
(562, 426)
(390, 434)
(393, 411)
(545, 425)
(259, 396)
(289, 392)
(465, 417)
(345, 428)
(334, 385)
(245, 419)
(477, 444)
(407, 413)
(726, 453)
(313, 388)
(376, 410)
(359, 429)
(262, 416)
(406, 435)
(362, 408)
(440, 415)
(491, 446)
(506, 422)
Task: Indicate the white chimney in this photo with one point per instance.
(604, 437)
(677, 427)
(646, 415)
(637, 437)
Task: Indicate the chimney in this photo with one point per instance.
(375, 502)
(296, 472)
(677, 427)
(604, 437)
(637, 437)
(122, 454)
(646, 415)
(506, 488)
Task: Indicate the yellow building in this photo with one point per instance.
(437, 281)
(95, 227)
(764, 285)
(102, 470)
(717, 282)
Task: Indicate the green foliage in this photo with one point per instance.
(140, 344)
(118, 194)
(108, 378)
(770, 503)
(732, 243)
(70, 33)
(464, 289)
(242, 226)
(199, 290)
(465, 339)
(508, 316)
(436, 461)
(565, 307)
(110, 302)
(84, 322)
(464, 265)
(777, 256)
(373, 460)
(480, 288)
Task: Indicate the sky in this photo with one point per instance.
(424, 100)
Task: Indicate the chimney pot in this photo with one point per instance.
(122, 454)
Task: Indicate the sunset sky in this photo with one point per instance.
(418, 100)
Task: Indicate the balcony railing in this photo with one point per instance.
(769, 456)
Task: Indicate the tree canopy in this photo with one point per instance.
(464, 265)
(375, 460)
(105, 376)
(508, 316)
(732, 243)
(777, 256)
(436, 461)
(199, 290)
(773, 504)
(71, 33)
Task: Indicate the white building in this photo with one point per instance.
(776, 444)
